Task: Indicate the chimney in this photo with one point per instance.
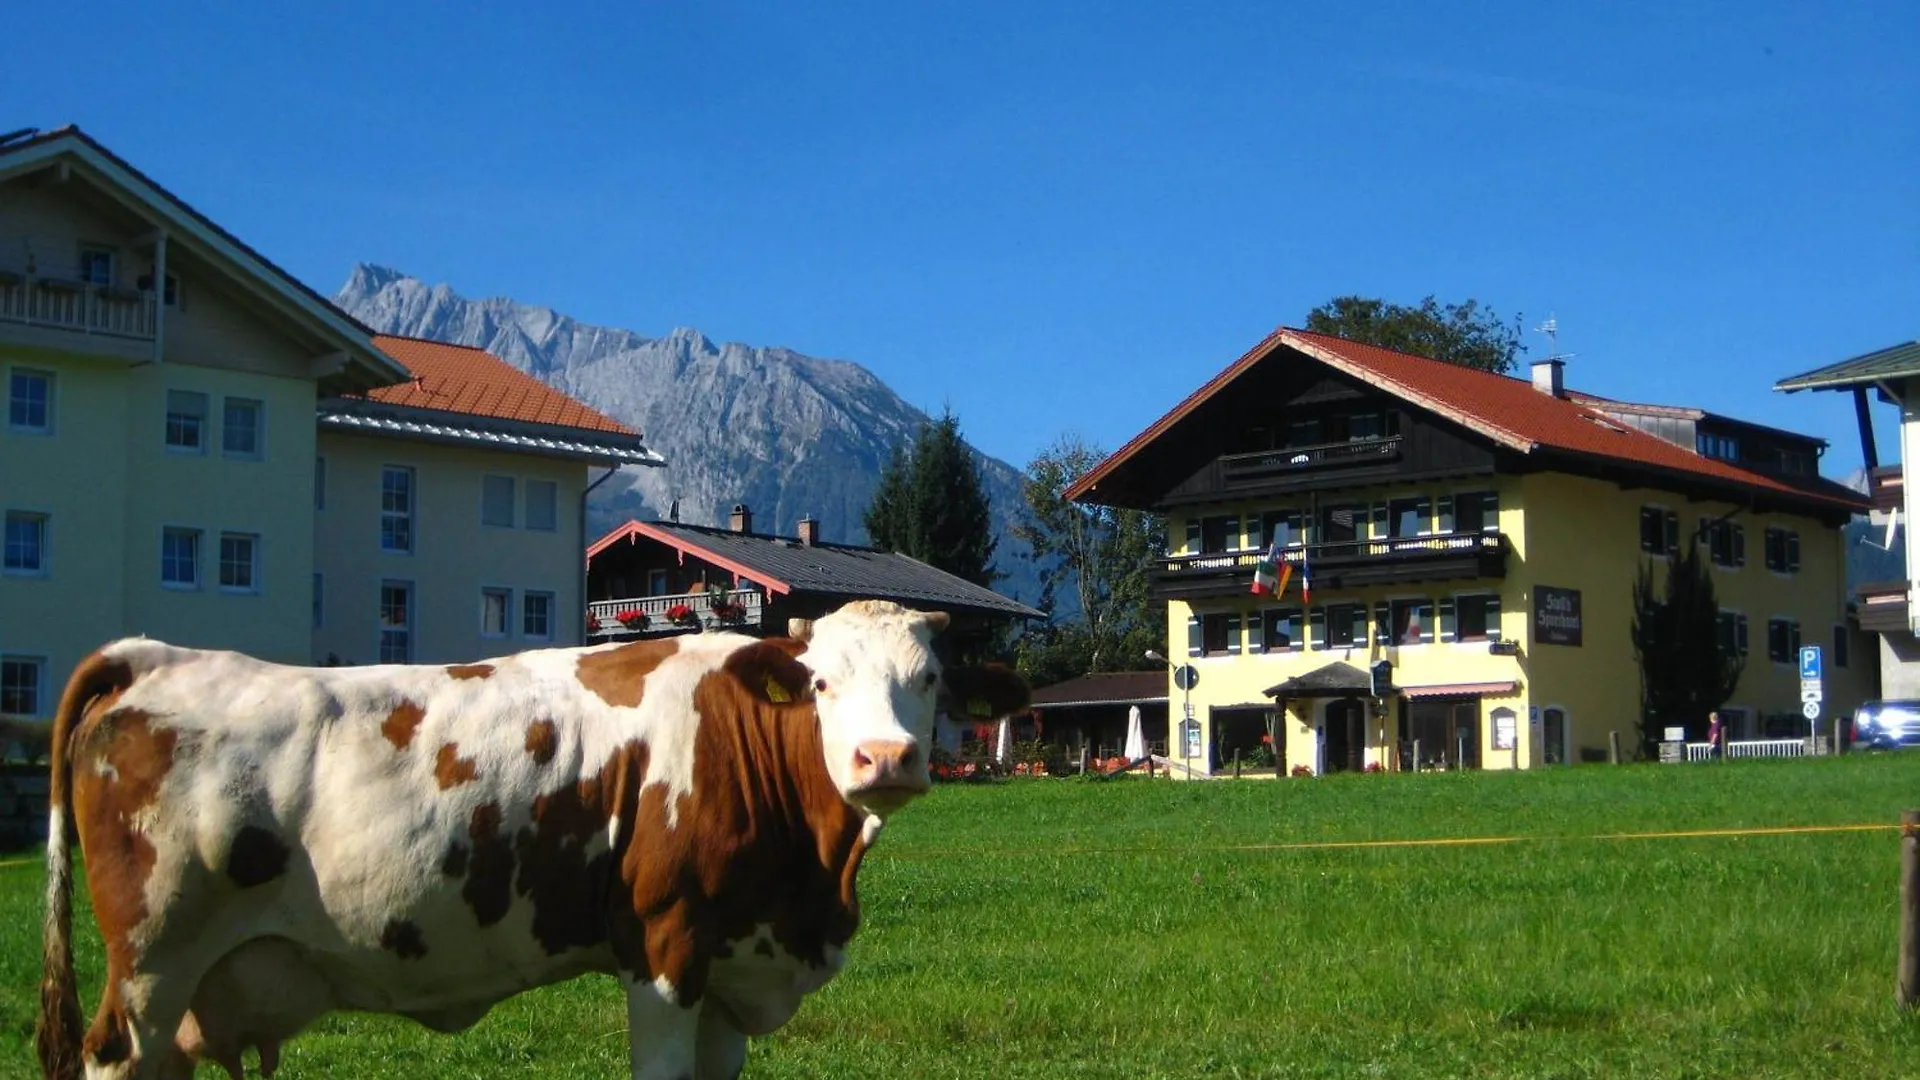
(741, 520)
(1550, 376)
(809, 531)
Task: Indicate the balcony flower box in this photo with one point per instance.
(727, 612)
(632, 619)
(680, 615)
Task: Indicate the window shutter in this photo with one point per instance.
(1318, 620)
(1426, 623)
(1255, 540)
(1381, 525)
(1233, 532)
(1739, 545)
(1360, 625)
(1646, 530)
(1793, 552)
(1490, 509)
(1447, 621)
(1740, 632)
(1233, 634)
(1446, 513)
(1193, 536)
(1194, 642)
(1382, 624)
(1256, 631)
(1706, 534)
(1673, 532)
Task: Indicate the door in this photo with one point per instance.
(1343, 742)
(1553, 723)
(1447, 732)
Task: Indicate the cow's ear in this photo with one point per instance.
(771, 670)
(937, 620)
(984, 692)
(800, 630)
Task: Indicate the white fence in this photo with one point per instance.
(1743, 748)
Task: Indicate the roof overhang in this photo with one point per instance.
(633, 530)
(1877, 369)
(71, 150)
(361, 416)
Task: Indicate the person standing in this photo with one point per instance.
(1715, 734)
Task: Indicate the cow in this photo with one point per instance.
(265, 844)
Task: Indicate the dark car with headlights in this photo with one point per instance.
(1887, 725)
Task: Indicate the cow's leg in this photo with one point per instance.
(721, 1048)
(662, 1034)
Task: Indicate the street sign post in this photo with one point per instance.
(1812, 688)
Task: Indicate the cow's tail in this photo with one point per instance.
(57, 1037)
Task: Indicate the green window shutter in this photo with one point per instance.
(1193, 536)
(1446, 513)
(1382, 624)
(1793, 552)
(1447, 621)
(1318, 620)
(1195, 642)
(1256, 628)
(1490, 506)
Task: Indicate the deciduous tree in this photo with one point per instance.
(1465, 334)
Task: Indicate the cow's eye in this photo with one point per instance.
(819, 686)
(933, 677)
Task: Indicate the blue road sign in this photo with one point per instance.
(1810, 661)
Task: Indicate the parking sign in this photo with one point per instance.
(1810, 661)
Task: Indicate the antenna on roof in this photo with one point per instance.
(1551, 328)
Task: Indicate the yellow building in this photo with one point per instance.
(179, 409)
(1481, 535)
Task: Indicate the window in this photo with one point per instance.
(1726, 543)
(1783, 551)
(543, 505)
(239, 562)
(396, 622)
(96, 265)
(1282, 629)
(26, 543)
(1724, 447)
(30, 401)
(1213, 535)
(396, 508)
(1470, 618)
(496, 501)
(1659, 531)
(1342, 524)
(1470, 512)
(1409, 517)
(319, 483)
(536, 615)
(180, 558)
(1370, 425)
(1340, 626)
(20, 684)
(319, 601)
(1217, 634)
(1731, 631)
(1303, 433)
(1284, 526)
(496, 606)
(171, 297)
(186, 420)
(240, 427)
(657, 583)
(1407, 622)
(1783, 641)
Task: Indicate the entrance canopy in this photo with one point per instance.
(1336, 680)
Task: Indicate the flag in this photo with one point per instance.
(1306, 579)
(1264, 581)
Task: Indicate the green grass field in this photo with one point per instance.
(1060, 928)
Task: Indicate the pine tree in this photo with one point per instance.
(1686, 671)
(932, 504)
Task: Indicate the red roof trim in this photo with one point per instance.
(633, 530)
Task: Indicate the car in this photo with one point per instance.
(1887, 725)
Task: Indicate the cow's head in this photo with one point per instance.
(877, 687)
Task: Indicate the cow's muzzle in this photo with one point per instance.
(887, 773)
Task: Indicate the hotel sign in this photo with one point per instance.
(1556, 616)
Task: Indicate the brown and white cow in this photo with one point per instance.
(265, 844)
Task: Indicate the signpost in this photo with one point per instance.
(1812, 692)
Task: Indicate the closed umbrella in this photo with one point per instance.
(1136, 747)
(1003, 746)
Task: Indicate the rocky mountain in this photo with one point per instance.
(787, 434)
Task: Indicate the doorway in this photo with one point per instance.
(1553, 722)
(1343, 739)
(1446, 731)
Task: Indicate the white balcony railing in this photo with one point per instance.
(745, 607)
(74, 305)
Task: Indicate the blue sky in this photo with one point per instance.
(1062, 217)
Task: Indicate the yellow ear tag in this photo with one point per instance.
(776, 692)
(977, 707)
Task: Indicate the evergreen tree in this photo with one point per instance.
(932, 504)
(1686, 671)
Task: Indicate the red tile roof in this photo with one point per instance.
(1509, 411)
(462, 379)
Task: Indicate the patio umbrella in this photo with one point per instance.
(1003, 746)
(1136, 747)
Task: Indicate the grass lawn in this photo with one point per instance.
(1062, 928)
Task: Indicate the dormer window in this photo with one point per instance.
(96, 265)
(1714, 445)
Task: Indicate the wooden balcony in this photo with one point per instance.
(1886, 487)
(1261, 467)
(603, 621)
(61, 304)
(1396, 560)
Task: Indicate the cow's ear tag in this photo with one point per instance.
(979, 707)
(776, 692)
